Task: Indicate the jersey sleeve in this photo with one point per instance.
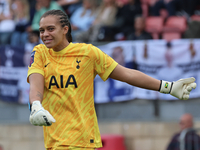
(103, 63)
(36, 62)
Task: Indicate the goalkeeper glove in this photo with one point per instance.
(39, 116)
(180, 89)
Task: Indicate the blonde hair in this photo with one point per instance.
(26, 10)
(93, 7)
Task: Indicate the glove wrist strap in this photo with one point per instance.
(165, 87)
(37, 102)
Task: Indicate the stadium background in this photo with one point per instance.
(145, 124)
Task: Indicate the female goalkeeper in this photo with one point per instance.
(61, 75)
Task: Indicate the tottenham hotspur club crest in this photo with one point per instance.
(78, 61)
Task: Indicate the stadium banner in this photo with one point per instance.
(13, 71)
(157, 58)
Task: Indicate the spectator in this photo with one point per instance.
(121, 3)
(70, 5)
(105, 17)
(124, 21)
(7, 24)
(42, 6)
(191, 139)
(33, 40)
(139, 32)
(21, 17)
(82, 18)
(175, 7)
(32, 7)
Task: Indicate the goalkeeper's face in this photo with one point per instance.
(52, 33)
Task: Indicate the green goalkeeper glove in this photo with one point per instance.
(180, 89)
(39, 116)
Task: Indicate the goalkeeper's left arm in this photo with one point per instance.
(39, 116)
(180, 89)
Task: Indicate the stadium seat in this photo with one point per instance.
(112, 142)
(168, 36)
(195, 18)
(175, 24)
(154, 25)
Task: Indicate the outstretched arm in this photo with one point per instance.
(180, 89)
(135, 78)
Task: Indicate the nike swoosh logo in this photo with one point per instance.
(47, 64)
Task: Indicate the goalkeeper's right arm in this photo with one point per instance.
(39, 116)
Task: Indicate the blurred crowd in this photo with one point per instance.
(97, 20)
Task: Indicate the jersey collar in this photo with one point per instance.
(63, 51)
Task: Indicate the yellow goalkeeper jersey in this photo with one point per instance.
(68, 93)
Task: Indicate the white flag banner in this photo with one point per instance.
(157, 58)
